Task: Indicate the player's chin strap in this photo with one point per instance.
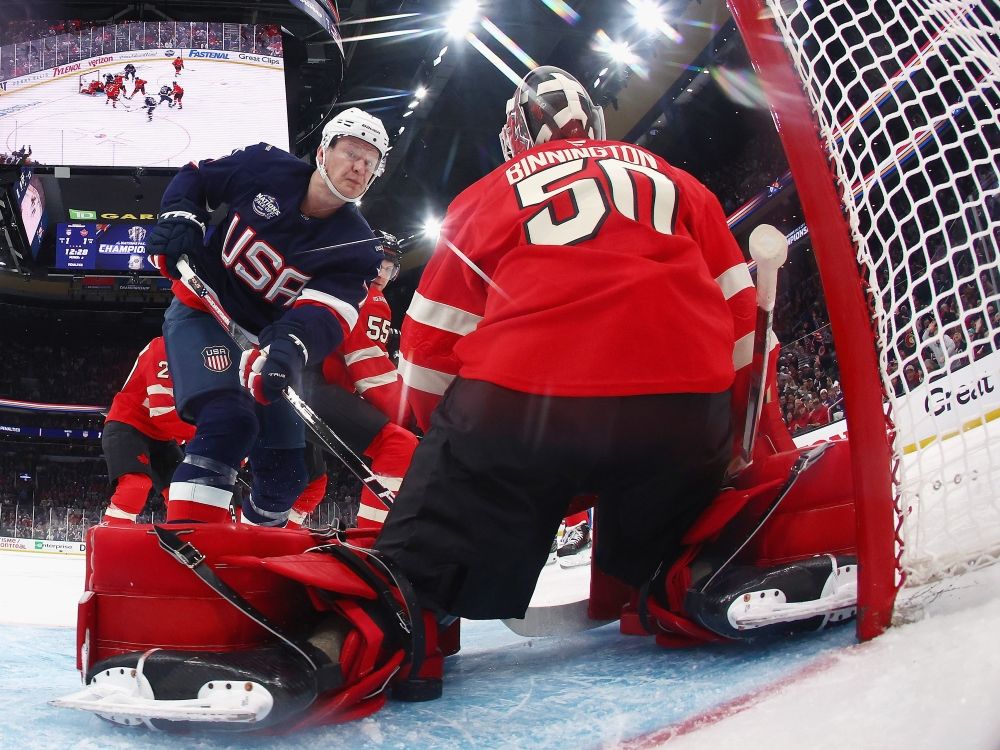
(321, 168)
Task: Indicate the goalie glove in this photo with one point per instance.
(178, 232)
(266, 370)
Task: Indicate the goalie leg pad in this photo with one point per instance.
(748, 602)
(366, 631)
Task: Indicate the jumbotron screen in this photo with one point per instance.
(145, 94)
(89, 246)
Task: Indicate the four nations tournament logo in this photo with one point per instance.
(266, 206)
(216, 358)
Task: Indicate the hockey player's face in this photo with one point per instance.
(385, 273)
(350, 163)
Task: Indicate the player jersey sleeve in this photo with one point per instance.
(448, 304)
(202, 186)
(367, 361)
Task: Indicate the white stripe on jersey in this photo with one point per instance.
(341, 308)
(424, 378)
(442, 316)
(734, 280)
(372, 514)
(743, 351)
(360, 355)
(375, 381)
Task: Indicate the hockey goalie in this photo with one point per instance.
(227, 627)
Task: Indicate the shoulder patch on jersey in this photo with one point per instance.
(266, 206)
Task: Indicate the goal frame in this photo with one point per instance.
(84, 79)
(879, 577)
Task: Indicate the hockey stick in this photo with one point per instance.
(769, 248)
(244, 340)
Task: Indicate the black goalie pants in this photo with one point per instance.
(489, 484)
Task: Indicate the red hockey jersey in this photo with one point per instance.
(146, 401)
(581, 268)
(362, 364)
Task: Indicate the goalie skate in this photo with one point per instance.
(806, 595)
(176, 690)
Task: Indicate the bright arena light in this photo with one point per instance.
(420, 93)
(646, 13)
(463, 15)
(432, 227)
(620, 52)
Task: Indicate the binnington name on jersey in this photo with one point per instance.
(529, 163)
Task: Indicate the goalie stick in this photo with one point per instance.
(769, 248)
(244, 340)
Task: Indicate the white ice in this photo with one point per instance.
(929, 684)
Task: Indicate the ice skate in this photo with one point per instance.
(576, 547)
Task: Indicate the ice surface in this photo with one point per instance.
(931, 684)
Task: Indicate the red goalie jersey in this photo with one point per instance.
(146, 401)
(361, 364)
(632, 232)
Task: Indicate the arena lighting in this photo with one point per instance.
(420, 93)
(463, 15)
(407, 113)
(432, 227)
(620, 53)
(401, 129)
(649, 15)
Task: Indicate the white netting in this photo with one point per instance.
(906, 97)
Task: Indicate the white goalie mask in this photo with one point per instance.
(359, 124)
(549, 104)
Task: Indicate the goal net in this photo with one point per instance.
(888, 111)
(85, 79)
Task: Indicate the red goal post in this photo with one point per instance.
(887, 112)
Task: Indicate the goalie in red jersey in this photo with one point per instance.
(142, 435)
(581, 329)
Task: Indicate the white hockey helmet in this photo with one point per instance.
(359, 124)
(549, 104)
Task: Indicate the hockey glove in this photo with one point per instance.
(265, 371)
(179, 231)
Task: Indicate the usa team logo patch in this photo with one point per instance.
(216, 358)
(266, 206)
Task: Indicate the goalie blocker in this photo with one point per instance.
(236, 628)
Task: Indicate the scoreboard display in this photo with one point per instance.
(89, 246)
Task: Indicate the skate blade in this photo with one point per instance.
(575, 561)
(123, 706)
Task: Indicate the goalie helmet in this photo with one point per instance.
(359, 124)
(388, 247)
(549, 104)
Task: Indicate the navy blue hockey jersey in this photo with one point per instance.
(260, 259)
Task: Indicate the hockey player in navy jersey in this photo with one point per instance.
(290, 263)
